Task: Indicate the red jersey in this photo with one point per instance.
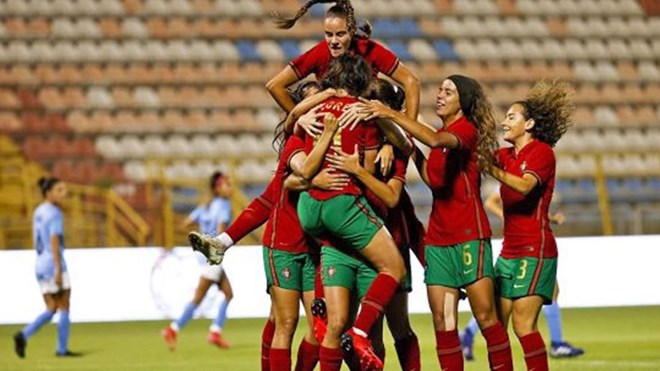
(457, 214)
(527, 229)
(317, 59)
(283, 230)
(366, 136)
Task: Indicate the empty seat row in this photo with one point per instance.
(246, 172)
(579, 7)
(610, 140)
(58, 147)
(585, 166)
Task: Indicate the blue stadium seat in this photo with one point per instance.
(248, 51)
(400, 49)
(290, 48)
(445, 50)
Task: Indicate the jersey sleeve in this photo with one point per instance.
(56, 225)
(400, 166)
(466, 134)
(293, 145)
(196, 214)
(373, 137)
(308, 62)
(383, 59)
(541, 163)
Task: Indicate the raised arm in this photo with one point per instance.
(522, 185)
(304, 106)
(306, 166)
(277, 88)
(411, 87)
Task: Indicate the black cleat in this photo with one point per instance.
(19, 344)
(69, 353)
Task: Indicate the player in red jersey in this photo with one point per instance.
(527, 267)
(387, 195)
(457, 252)
(341, 36)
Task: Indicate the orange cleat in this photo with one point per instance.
(216, 339)
(169, 335)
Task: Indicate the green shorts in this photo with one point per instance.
(517, 278)
(458, 265)
(341, 269)
(347, 217)
(291, 271)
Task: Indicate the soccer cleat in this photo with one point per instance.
(216, 339)
(356, 346)
(564, 350)
(169, 335)
(319, 319)
(19, 344)
(69, 353)
(210, 247)
(467, 339)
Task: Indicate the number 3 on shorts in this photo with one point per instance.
(467, 257)
(523, 269)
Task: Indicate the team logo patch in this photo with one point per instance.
(332, 271)
(286, 273)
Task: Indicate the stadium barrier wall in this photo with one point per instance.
(122, 284)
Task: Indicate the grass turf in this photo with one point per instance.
(626, 338)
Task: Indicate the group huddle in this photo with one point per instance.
(340, 226)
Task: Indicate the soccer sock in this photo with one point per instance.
(553, 315)
(536, 357)
(63, 327)
(330, 358)
(318, 284)
(448, 347)
(33, 327)
(308, 356)
(266, 339)
(250, 219)
(407, 349)
(280, 359)
(499, 348)
(219, 321)
(378, 296)
(185, 317)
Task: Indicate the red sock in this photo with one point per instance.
(408, 351)
(330, 358)
(318, 284)
(499, 349)
(308, 356)
(250, 219)
(266, 339)
(536, 357)
(280, 359)
(378, 296)
(448, 347)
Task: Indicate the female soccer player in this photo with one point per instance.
(212, 218)
(341, 37)
(345, 215)
(387, 196)
(51, 269)
(527, 267)
(458, 251)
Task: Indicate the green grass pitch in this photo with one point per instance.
(626, 338)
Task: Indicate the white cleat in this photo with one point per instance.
(210, 247)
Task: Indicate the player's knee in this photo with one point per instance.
(287, 324)
(522, 328)
(336, 325)
(486, 316)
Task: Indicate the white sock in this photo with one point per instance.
(225, 239)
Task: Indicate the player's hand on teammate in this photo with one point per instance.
(329, 179)
(345, 162)
(373, 109)
(330, 123)
(351, 117)
(386, 158)
(309, 122)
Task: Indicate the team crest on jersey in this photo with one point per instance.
(332, 271)
(286, 273)
(523, 166)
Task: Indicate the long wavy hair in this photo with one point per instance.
(482, 116)
(341, 9)
(550, 105)
(297, 95)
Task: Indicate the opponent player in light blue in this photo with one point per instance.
(213, 218)
(51, 270)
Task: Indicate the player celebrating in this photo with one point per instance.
(51, 269)
(527, 267)
(341, 37)
(212, 218)
(458, 251)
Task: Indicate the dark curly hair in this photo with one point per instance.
(386, 92)
(341, 9)
(549, 104)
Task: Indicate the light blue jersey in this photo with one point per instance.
(209, 216)
(47, 221)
